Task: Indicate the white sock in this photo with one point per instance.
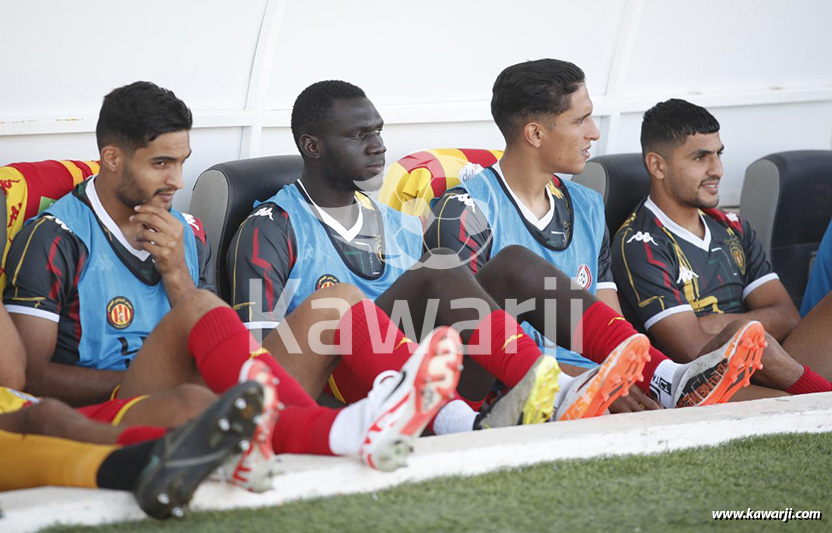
(351, 424)
(563, 382)
(663, 382)
(349, 428)
(456, 417)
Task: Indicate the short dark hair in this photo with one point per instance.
(133, 116)
(313, 106)
(533, 89)
(672, 121)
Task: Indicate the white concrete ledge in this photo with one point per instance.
(464, 454)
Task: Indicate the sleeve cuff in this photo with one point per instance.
(260, 325)
(607, 285)
(666, 313)
(31, 311)
(757, 282)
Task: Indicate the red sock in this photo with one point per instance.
(373, 344)
(137, 434)
(810, 382)
(476, 405)
(303, 430)
(221, 344)
(512, 353)
(600, 330)
(650, 367)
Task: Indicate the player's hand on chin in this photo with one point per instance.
(162, 236)
(634, 402)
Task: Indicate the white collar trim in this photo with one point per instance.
(539, 223)
(109, 223)
(346, 234)
(681, 232)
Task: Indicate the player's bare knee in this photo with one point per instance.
(440, 266)
(515, 252)
(729, 330)
(776, 358)
(350, 294)
(332, 302)
(440, 259)
(45, 416)
(197, 302)
(532, 264)
(190, 401)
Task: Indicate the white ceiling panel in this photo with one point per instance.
(723, 46)
(60, 58)
(434, 50)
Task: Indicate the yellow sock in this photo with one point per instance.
(28, 461)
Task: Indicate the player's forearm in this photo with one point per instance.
(713, 323)
(684, 350)
(178, 284)
(72, 384)
(682, 344)
(778, 321)
(610, 297)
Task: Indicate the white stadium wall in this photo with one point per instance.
(760, 65)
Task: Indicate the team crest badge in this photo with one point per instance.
(120, 312)
(327, 280)
(584, 277)
(737, 252)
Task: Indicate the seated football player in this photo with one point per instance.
(93, 316)
(689, 271)
(162, 472)
(115, 421)
(519, 212)
(323, 230)
(168, 408)
(104, 264)
(222, 352)
(819, 285)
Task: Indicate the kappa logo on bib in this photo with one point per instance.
(120, 312)
(584, 277)
(327, 280)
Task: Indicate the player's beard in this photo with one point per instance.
(130, 193)
(692, 198)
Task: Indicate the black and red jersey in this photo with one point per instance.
(662, 268)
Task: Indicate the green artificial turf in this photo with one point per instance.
(670, 492)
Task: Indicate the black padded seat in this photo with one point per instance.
(224, 195)
(787, 199)
(622, 181)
